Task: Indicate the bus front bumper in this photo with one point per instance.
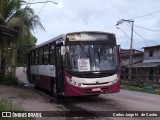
(71, 90)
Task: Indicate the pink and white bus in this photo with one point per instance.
(76, 64)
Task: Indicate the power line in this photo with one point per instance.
(139, 35)
(124, 33)
(42, 7)
(43, 2)
(146, 15)
(147, 28)
(145, 38)
(28, 3)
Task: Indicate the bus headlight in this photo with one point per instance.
(73, 82)
(68, 79)
(114, 81)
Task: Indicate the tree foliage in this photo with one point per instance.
(23, 47)
(17, 15)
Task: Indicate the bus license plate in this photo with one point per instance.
(96, 89)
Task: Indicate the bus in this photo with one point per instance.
(76, 64)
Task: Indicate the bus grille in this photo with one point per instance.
(95, 83)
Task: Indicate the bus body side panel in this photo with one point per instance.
(43, 74)
(43, 81)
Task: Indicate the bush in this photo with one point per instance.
(9, 80)
(132, 88)
(133, 83)
(6, 105)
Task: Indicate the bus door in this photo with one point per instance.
(29, 67)
(59, 72)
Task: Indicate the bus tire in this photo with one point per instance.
(54, 91)
(34, 82)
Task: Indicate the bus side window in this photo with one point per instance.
(40, 56)
(52, 54)
(36, 57)
(32, 58)
(46, 55)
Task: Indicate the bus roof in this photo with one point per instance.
(62, 36)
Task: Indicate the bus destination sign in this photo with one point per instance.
(87, 37)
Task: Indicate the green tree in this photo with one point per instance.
(23, 20)
(22, 50)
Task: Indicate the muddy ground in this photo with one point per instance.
(30, 100)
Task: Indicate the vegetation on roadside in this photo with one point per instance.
(141, 87)
(20, 18)
(6, 105)
(9, 80)
(132, 88)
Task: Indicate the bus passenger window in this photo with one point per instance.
(32, 58)
(40, 56)
(52, 55)
(46, 54)
(36, 57)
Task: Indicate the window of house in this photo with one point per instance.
(151, 53)
(52, 54)
(46, 54)
(40, 56)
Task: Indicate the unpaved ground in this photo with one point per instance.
(29, 100)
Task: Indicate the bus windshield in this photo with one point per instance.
(81, 58)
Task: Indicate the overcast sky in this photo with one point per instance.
(101, 15)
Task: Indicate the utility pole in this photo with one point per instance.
(131, 44)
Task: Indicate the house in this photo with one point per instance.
(5, 33)
(137, 56)
(149, 69)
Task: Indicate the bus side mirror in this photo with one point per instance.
(118, 48)
(63, 50)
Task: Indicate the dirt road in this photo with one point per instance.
(29, 100)
(123, 101)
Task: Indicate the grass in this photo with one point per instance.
(9, 80)
(132, 88)
(6, 105)
(140, 89)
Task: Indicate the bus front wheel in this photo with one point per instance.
(54, 91)
(34, 82)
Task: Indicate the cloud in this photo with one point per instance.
(100, 15)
